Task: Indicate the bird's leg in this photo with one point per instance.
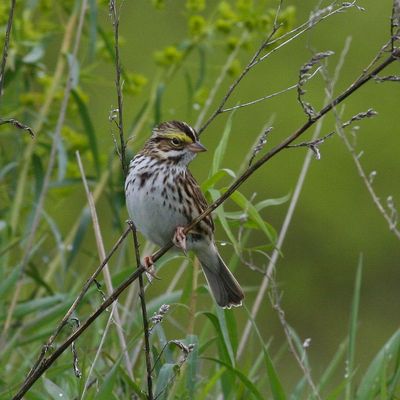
(179, 239)
(149, 266)
(148, 262)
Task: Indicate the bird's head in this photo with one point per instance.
(175, 141)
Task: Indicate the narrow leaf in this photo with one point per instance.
(221, 149)
(353, 330)
(88, 128)
(247, 383)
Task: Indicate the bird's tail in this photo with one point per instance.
(224, 286)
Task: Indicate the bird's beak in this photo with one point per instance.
(196, 147)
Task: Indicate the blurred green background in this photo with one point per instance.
(335, 220)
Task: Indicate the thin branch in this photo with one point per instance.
(313, 145)
(77, 371)
(389, 215)
(219, 81)
(118, 84)
(6, 45)
(358, 117)
(17, 124)
(144, 315)
(78, 299)
(106, 271)
(122, 152)
(389, 78)
(275, 301)
(99, 350)
(250, 103)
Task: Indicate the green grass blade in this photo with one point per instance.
(192, 364)
(88, 128)
(9, 282)
(225, 333)
(227, 352)
(62, 160)
(221, 149)
(299, 389)
(79, 236)
(221, 217)
(370, 385)
(106, 389)
(54, 390)
(164, 378)
(211, 382)
(231, 326)
(276, 386)
(252, 212)
(202, 67)
(246, 381)
(215, 178)
(92, 29)
(272, 202)
(353, 330)
(38, 173)
(158, 103)
(332, 366)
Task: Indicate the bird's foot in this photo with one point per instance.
(150, 270)
(179, 239)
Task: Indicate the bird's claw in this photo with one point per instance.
(179, 239)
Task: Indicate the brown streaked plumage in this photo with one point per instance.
(163, 197)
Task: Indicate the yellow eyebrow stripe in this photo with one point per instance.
(181, 136)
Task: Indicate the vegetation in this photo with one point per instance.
(81, 85)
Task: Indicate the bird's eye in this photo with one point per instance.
(175, 142)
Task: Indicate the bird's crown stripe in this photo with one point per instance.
(181, 136)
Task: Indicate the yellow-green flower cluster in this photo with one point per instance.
(170, 55)
(195, 5)
(135, 83)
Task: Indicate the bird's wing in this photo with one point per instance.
(200, 203)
